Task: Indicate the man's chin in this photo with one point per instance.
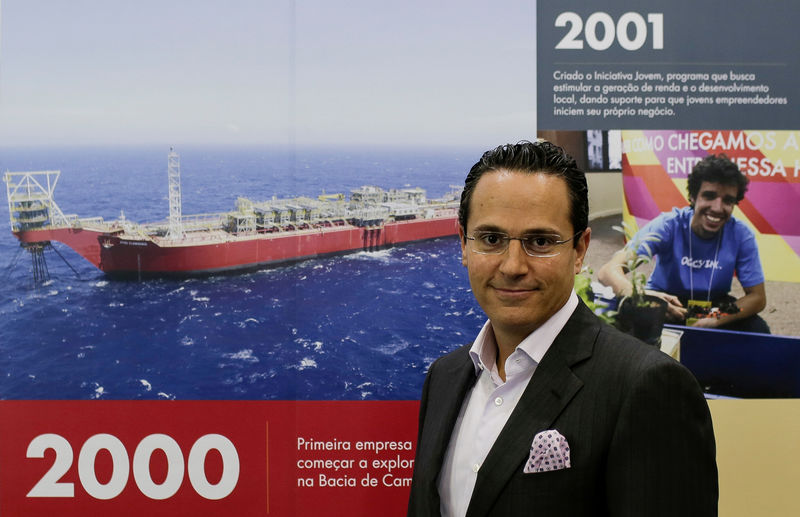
(708, 229)
(518, 319)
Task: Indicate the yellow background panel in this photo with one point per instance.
(758, 456)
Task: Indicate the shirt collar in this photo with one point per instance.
(484, 350)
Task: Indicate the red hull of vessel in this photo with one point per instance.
(199, 256)
(84, 242)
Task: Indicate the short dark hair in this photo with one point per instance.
(532, 157)
(716, 168)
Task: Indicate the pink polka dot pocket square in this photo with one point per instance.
(549, 451)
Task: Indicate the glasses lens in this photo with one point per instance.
(490, 242)
(540, 244)
(535, 245)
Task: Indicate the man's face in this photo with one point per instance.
(519, 292)
(712, 208)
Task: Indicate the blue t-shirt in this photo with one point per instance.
(681, 263)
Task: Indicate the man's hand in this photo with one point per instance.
(753, 301)
(706, 323)
(675, 309)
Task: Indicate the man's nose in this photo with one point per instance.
(717, 205)
(515, 260)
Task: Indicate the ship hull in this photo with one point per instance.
(193, 256)
(85, 242)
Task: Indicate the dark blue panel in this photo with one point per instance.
(740, 364)
(694, 65)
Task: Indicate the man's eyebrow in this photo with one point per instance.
(713, 194)
(529, 231)
(488, 228)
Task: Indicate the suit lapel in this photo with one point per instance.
(551, 388)
(446, 395)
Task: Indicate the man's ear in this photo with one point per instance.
(581, 248)
(462, 239)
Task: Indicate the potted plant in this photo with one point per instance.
(583, 288)
(639, 313)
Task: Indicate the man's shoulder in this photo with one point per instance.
(678, 216)
(612, 340)
(740, 229)
(669, 222)
(628, 359)
(453, 359)
(606, 345)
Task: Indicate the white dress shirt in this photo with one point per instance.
(488, 405)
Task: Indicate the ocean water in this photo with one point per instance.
(361, 326)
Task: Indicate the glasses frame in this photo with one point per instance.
(507, 239)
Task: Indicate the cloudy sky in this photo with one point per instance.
(411, 72)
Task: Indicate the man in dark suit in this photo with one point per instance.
(551, 412)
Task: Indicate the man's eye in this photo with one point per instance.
(491, 239)
(540, 241)
(709, 196)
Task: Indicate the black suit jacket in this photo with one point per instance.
(639, 431)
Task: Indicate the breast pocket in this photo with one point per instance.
(572, 491)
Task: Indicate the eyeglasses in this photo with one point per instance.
(540, 245)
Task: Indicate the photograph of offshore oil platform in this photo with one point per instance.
(256, 233)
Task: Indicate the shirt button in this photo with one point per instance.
(476, 468)
(498, 401)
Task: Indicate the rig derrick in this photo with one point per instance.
(31, 207)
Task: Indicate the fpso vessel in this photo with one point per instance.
(252, 235)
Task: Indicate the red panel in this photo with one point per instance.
(289, 454)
